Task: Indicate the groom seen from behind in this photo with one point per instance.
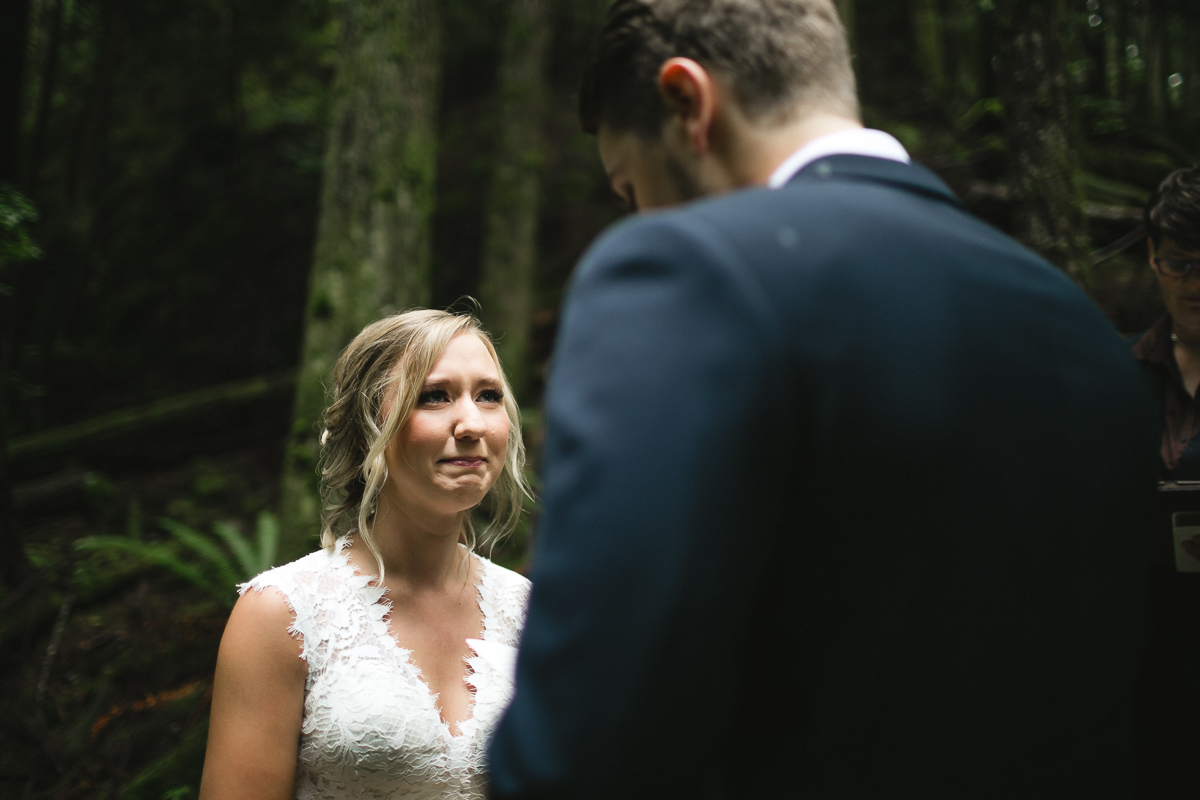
(843, 487)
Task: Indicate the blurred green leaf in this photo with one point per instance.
(242, 550)
(161, 555)
(218, 570)
(16, 245)
(268, 542)
(206, 548)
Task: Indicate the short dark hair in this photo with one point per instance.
(1173, 211)
(779, 57)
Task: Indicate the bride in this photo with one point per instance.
(378, 665)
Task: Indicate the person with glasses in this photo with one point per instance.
(1169, 352)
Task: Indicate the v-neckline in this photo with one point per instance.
(392, 645)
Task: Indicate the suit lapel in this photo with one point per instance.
(909, 177)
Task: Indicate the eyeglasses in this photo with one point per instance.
(1176, 267)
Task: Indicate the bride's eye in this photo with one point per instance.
(491, 396)
(432, 397)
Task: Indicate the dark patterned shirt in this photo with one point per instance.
(1180, 411)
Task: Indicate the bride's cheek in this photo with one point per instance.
(499, 435)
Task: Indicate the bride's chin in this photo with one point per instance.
(467, 483)
(464, 498)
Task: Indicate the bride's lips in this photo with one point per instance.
(469, 462)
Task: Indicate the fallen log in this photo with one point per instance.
(204, 421)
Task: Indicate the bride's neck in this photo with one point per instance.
(418, 550)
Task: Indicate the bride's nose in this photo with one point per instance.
(470, 423)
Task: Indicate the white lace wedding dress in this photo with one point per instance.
(371, 727)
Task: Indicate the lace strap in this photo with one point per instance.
(503, 598)
(297, 582)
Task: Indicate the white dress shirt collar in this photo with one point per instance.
(856, 141)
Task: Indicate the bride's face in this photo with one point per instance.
(451, 450)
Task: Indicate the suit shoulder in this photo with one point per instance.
(647, 234)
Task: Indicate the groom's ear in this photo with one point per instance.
(690, 95)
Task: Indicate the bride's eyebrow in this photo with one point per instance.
(436, 383)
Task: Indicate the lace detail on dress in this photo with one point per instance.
(371, 727)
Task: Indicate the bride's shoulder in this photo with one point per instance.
(288, 599)
(262, 625)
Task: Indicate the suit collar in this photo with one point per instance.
(910, 177)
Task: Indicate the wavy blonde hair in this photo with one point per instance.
(390, 360)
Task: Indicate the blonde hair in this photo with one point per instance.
(390, 360)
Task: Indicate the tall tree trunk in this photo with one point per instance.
(1154, 53)
(373, 241)
(1114, 49)
(1126, 24)
(15, 566)
(13, 49)
(47, 84)
(1032, 83)
(89, 141)
(965, 46)
(1191, 76)
(510, 249)
(927, 34)
(14, 40)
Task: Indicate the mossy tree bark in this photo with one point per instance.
(510, 247)
(52, 30)
(13, 46)
(373, 240)
(1032, 83)
(964, 45)
(1192, 75)
(13, 41)
(1153, 52)
(1114, 49)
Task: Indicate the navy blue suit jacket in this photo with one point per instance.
(842, 494)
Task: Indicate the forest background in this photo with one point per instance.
(201, 202)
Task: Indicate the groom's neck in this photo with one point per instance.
(755, 152)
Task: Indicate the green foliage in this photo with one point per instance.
(214, 569)
(984, 107)
(15, 211)
(16, 245)
(1112, 191)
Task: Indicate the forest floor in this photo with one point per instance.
(108, 660)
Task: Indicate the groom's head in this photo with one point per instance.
(690, 97)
